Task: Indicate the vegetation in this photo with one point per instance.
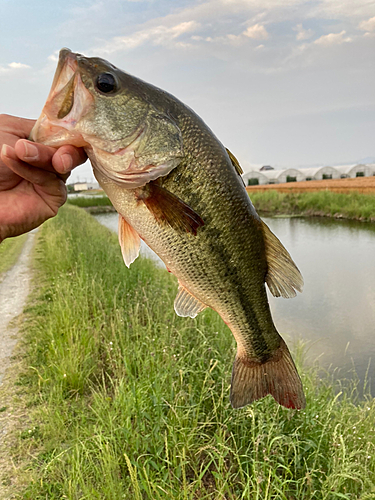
(90, 201)
(10, 250)
(349, 206)
(126, 400)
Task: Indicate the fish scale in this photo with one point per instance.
(176, 187)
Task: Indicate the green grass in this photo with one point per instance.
(10, 250)
(92, 201)
(126, 400)
(350, 206)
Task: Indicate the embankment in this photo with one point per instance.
(128, 400)
(349, 205)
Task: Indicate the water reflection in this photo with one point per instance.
(336, 311)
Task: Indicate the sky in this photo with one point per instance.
(287, 83)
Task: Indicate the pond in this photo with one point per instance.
(335, 314)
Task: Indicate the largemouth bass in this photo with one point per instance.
(179, 189)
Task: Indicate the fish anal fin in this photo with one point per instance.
(168, 208)
(252, 380)
(283, 276)
(129, 240)
(186, 304)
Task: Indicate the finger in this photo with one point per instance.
(68, 157)
(15, 125)
(34, 175)
(37, 155)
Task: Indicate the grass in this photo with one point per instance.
(91, 201)
(10, 250)
(349, 206)
(126, 400)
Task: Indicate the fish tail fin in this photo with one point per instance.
(252, 380)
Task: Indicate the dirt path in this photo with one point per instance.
(14, 289)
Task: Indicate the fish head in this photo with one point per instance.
(93, 104)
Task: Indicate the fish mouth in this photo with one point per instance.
(67, 103)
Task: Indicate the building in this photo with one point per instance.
(271, 176)
(290, 175)
(320, 173)
(85, 186)
(352, 171)
(268, 175)
(255, 177)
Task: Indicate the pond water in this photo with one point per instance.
(335, 314)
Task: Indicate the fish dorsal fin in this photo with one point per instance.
(283, 276)
(186, 304)
(129, 240)
(168, 208)
(235, 162)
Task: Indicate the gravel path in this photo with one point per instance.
(14, 289)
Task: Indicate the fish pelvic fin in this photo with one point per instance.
(278, 376)
(129, 240)
(283, 276)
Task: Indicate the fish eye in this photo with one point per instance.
(106, 83)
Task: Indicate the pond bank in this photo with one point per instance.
(270, 202)
(128, 400)
(352, 206)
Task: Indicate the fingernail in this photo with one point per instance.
(6, 150)
(31, 151)
(67, 162)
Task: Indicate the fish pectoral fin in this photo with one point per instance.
(129, 240)
(168, 208)
(252, 380)
(186, 304)
(283, 276)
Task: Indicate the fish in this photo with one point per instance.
(177, 187)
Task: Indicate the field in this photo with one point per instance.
(125, 400)
(364, 185)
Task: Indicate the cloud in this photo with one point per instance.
(303, 34)
(368, 25)
(158, 35)
(333, 39)
(257, 32)
(13, 66)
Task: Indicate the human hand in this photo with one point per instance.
(32, 177)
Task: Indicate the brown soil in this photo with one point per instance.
(365, 185)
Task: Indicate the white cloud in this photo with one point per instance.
(54, 57)
(333, 39)
(368, 25)
(158, 35)
(303, 34)
(257, 32)
(13, 66)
